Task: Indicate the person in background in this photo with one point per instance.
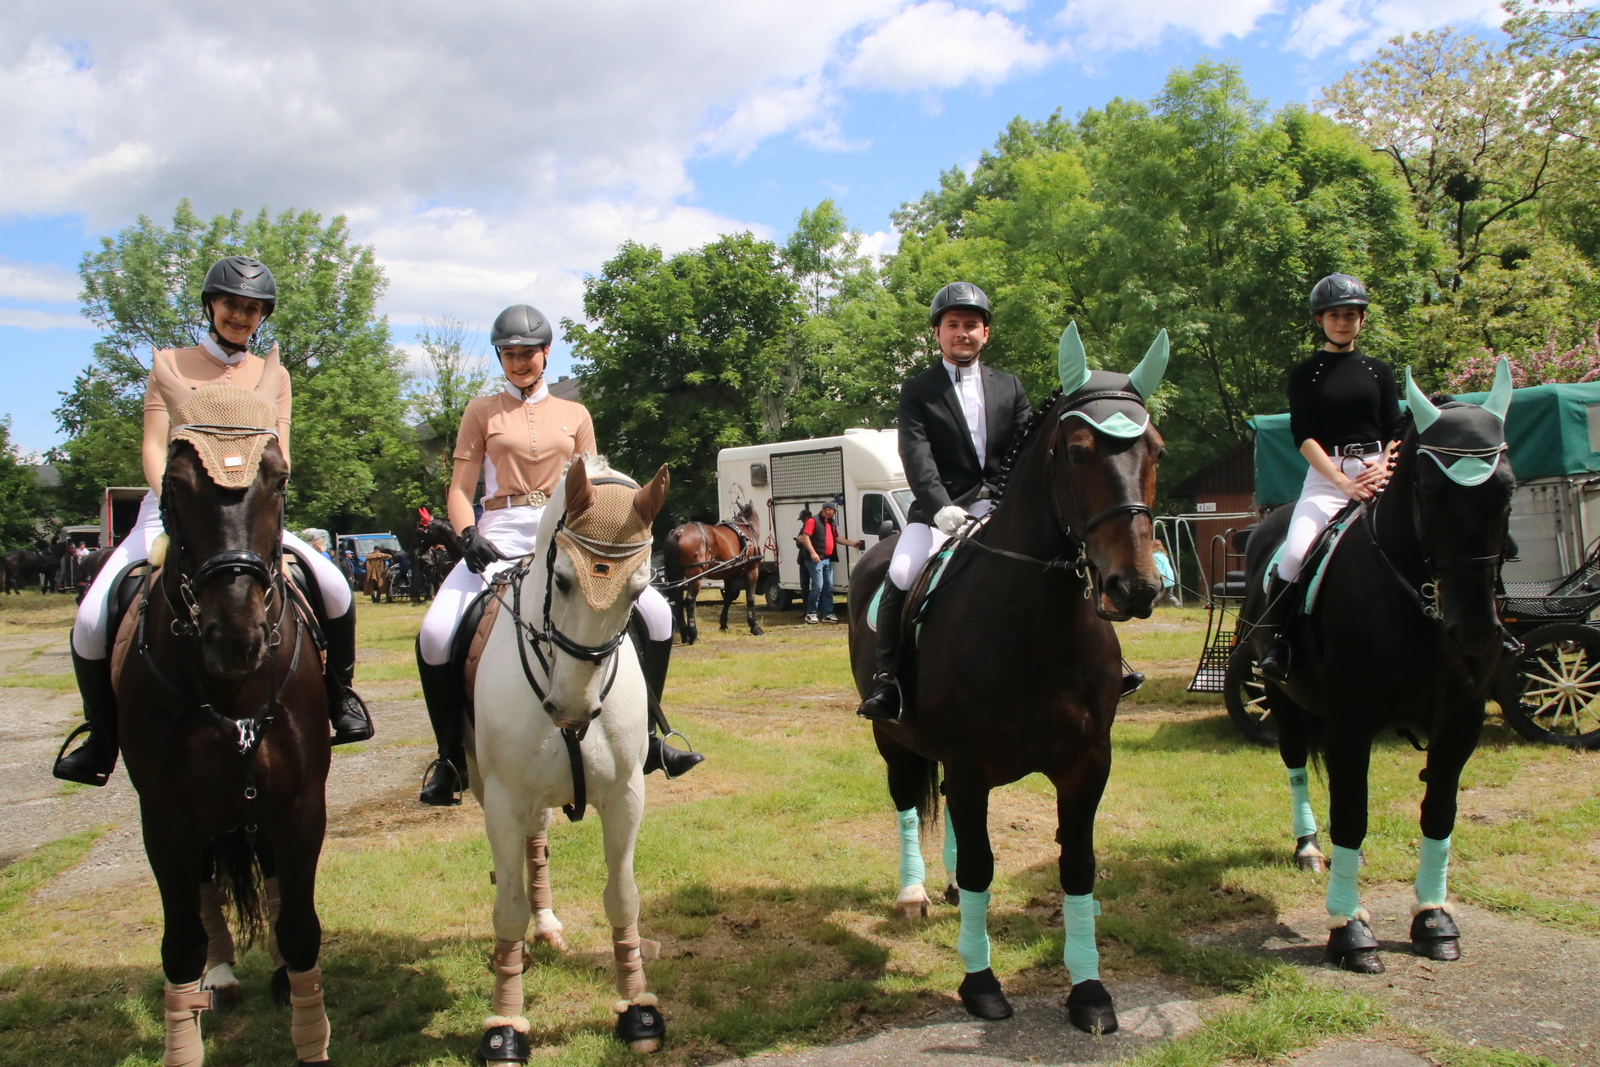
(804, 561)
(819, 539)
(1169, 580)
(322, 546)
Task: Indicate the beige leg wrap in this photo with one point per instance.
(539, 873)
(274, 906)
(219, 941)
(630, 968)
(308, 1022)
(508, 964)
(183, 1005)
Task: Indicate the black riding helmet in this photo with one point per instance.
(521, 324)
(958, 295)
(1338, 291)
(240, 276)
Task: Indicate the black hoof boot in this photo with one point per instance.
(445, 782)
(982, 996)
(1353, 948)
(641, 1027)
(1308, 856)
(1274, 665)
(503, 1044)
(280, 986)
(1090, 1009)
(1434, 935)
(1132, 682)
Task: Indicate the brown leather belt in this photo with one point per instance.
(534, 499)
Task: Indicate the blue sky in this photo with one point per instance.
(488, 170)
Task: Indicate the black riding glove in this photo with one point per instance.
(478, 550)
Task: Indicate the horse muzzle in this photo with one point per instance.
(566, 720)
(1122, 597)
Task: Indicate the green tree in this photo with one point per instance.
(353, 453)
(451, 375)
(680, 356)
(20, 498)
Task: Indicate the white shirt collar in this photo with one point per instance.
(538, 394)
(958, 374)
(232, 359)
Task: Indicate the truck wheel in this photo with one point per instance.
(776, 599)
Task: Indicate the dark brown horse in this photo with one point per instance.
(730, 551)
(1017, 668)
(223, 720)
(438, 549)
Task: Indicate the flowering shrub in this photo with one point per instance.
(1536, 366)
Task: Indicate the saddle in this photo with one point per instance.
(934, 575)
(1317, 556)
(467, 649)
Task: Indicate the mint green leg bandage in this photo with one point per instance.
(912, 869)
(949, 849)
(1433, 869)
(1078, 952)
(973, 941)
(1343, 899)
(1300, 790)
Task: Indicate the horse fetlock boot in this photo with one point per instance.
(640, 1024)
(346, 710)
(447, 775)
(1434, 934)
(1091, 1009)
(92, 762)
(505, 1040)
(672, 761)
(1353, 948)
(1308, 855)
(982, 996)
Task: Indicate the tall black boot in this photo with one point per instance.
(349, 715)
(1276, 618)
(447, 775)
(883, 703)
(92, 762)
(654, 658)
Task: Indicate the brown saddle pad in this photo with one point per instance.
(480, 638)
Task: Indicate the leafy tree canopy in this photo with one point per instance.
(19, 495)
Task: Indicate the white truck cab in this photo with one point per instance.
(858, 471)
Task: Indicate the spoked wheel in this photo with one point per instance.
(1245, 693)
(1551, 693)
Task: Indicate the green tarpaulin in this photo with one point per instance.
(1547, 427)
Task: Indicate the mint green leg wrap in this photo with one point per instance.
(973, 941)
(1299, 789)
(1433, 869)
(1343, 899)
(912, 869)
(1078, 952)
(949, 849)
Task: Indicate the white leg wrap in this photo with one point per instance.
(308, 1022)
(508, 964)
(182, 1007)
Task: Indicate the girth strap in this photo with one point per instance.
(580, 791)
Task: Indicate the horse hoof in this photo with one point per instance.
(503, 1044)
(952, 895)
(223, 997)
(1308, 857)
(641, 1027)
(756, 631)
(912, 907)
(1353, 948)
(1434, 935)
(982, 996)
(1090, 1008)
(280, 986)
(554, 939)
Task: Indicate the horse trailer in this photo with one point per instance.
(859, 472)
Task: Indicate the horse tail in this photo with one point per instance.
(673, 563)
(237, 874)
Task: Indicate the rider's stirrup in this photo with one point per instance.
(349, 715)
(444, 784)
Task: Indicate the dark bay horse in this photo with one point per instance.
(730, 551)
(1017, 668)
(438, 549)
(1404, 635)
(223, 718)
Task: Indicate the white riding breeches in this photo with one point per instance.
(1320, 500)
(513, 531)
(91, 636)
(918, 541)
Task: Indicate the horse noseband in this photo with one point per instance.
(595, 654)
(233, 563)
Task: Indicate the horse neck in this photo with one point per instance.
(1025, 519)
(1394, 507)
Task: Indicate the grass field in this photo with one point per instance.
(767, 876)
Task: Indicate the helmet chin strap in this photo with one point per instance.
(216, 335)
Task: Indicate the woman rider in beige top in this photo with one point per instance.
(238, 294)
(521, 440)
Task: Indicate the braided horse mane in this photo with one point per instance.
(1034, 421)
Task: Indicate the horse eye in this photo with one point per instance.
(563, 584)
(1080, 453)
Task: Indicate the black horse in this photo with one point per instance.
(1404, 635)
(437, 549)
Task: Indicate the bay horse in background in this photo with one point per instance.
(730, 551)
(223, 721)
(1016, 669)
(1404, 634)
(41, 565)
(438, 549)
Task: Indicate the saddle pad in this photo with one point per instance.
(125, 632)
(923, 584)
(480, 638)
(1337, 531)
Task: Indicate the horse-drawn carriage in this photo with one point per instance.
(1550, 691)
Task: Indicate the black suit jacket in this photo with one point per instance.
(936, 446)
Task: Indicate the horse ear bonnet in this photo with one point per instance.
(229, 427)
(1467, 441)
(608, 541)
(1122, 416)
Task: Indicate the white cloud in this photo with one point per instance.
(1118, 24)
(936, 45)
(29, 319)
(1361, 26)
(37, 282)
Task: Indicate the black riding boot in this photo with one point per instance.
(1274, 664)
(447, 775)
(92, 762)
(883, 703)
(654, 656)
(349, 715)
